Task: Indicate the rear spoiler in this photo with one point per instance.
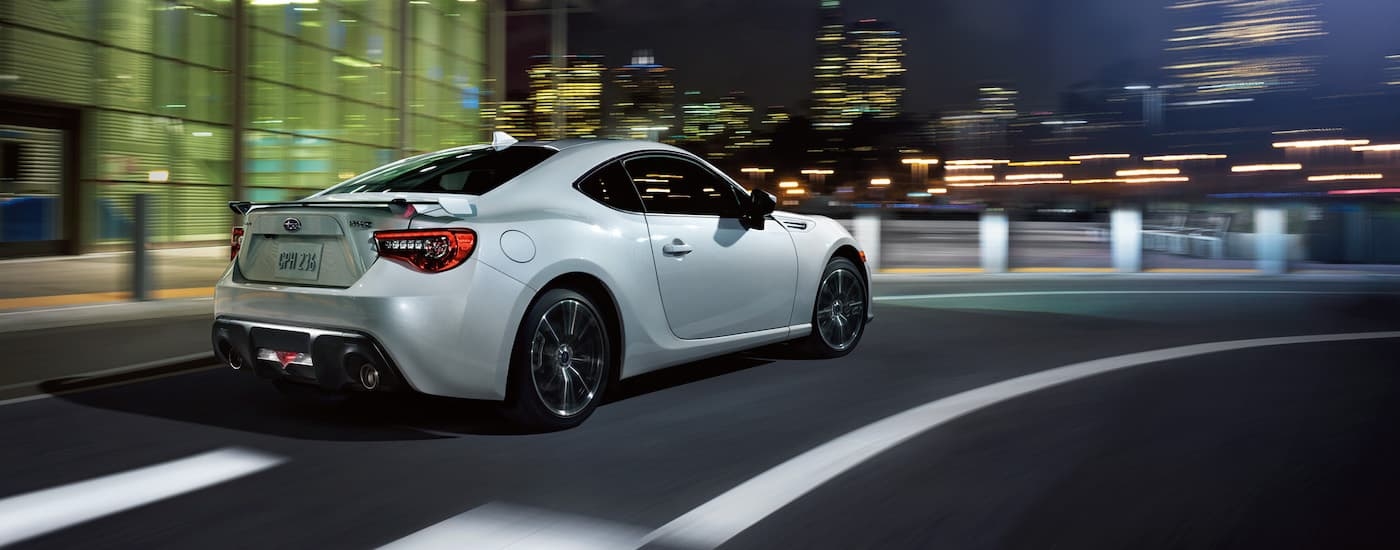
(457, 206)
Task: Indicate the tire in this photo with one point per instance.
(561, 362)
(836, 332)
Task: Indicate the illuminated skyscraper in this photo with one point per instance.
(700, 118)
(829, 94)
(736, 113)
(775, 116)
(1232, 49)
(646, 96)
(997, 100)
(512, 117)
(874, 70)
(578, 92)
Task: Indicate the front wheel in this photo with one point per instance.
(560, 364)
(838, 316)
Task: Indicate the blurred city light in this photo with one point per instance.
(969, 178)
(1157, 180)
(977, 161)
(1266, 167)
(919, 161)
(1312, 144)
(1042, 163)
(880, 182)
(756, 170)
(1023, 177)
(1347, 177)
(817, 172)
(1376, 191)
(938, 190)
(968, 167)
(1148, 172)
(1102, 156)
(1178, 158)
(787, 184)
(1370, 148)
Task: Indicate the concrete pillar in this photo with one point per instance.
(995, 231)
(867, 234)
(1270, 240)
(1125, 238)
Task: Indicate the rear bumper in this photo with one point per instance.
(447, 334)
(336, 355)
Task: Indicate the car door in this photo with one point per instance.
(717, 275)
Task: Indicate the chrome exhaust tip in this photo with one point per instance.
(233, 359)
(369, 377)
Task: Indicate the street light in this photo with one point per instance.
(818, 176)
(918, 168)
(756, 175)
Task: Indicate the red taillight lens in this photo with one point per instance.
(235, 243)
(427, 250)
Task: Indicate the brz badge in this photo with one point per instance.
(291, 225)
(360, 224)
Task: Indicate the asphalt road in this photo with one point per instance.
(1277, 446)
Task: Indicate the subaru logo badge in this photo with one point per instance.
(291, 224)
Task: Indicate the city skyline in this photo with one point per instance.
(951, 46)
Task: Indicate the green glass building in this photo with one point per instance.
(197, 102)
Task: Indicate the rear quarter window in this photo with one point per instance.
(471, 172)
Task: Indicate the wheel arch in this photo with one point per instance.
(604, 298)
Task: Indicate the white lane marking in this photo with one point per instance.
(33, 514)
(715, 522)
(498, 525)
(903, 297)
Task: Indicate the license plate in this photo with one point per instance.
(299, 260)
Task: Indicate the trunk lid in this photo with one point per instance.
(327, 241)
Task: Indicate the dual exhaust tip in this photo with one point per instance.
(367, 376)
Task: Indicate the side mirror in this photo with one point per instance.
(761, 204)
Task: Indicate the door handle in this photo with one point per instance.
(677, 248)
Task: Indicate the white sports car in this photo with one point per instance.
(533, 273)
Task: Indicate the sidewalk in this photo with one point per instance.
(35, 283)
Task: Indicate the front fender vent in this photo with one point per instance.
(795, 225)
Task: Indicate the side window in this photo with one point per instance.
(670, 185)
(612, 187)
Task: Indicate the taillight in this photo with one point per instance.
(235, 243)
(427, 250)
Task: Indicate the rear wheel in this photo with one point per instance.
(838, 316)
(560, 364)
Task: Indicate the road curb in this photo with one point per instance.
(41, 389)
(101, 314)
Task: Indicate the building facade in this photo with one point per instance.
(829, 92)
(1234, 49)
(645, 99)
(568, 101)
(196, 102)
(700, 118)
(874, 71)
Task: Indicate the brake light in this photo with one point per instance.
(235, 243)
(862, 257)
(426, 250)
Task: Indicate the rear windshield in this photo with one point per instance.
(471, 172)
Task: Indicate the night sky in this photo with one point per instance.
(766, 47)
